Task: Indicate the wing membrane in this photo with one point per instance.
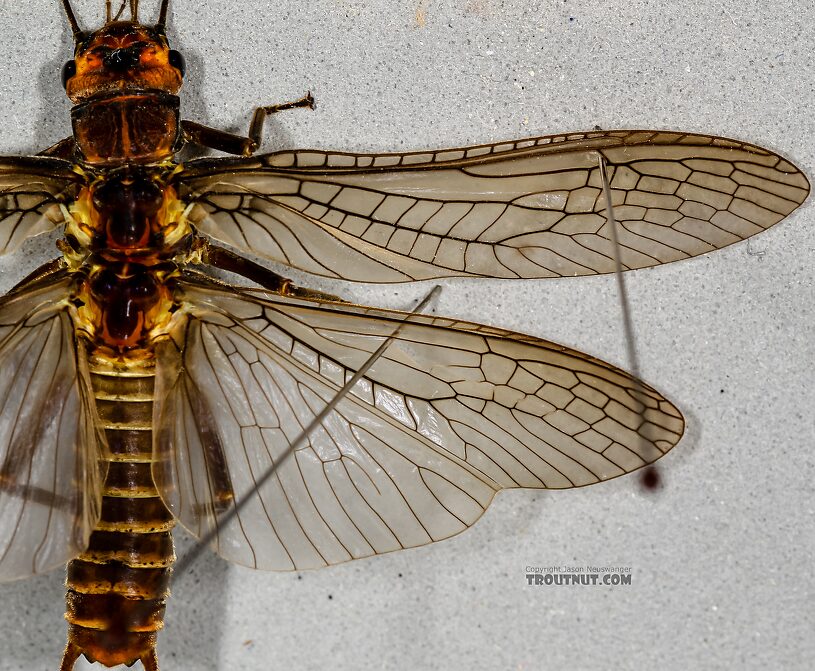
(50, 479)
(31, 190)
(525, 209)
(452, 413)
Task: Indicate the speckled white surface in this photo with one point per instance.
(721, 557)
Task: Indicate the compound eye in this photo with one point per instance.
(177, 61)
(68, 71)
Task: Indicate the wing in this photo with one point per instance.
(525, 209)
(50, 478)
(452, 413)
(31, 191)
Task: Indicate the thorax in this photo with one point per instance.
(126, 238)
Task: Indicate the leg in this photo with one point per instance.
(43, 497)
(150, 661)
(69, 658)
(40, 273)
(256, 127)
(233, 263)
(219, 482)
(237, 144)
(62, 149)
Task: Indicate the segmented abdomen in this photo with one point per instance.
(117, 588)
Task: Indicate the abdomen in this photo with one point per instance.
(118, 587)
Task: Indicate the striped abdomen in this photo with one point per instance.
(118, 587)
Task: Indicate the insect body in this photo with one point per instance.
(123, 299)
(146, 392)
(125, 232)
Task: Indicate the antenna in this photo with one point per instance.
(162, 17)
(650, 476)
(69, 13)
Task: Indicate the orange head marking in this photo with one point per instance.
(122, 57)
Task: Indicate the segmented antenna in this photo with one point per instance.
(69, 13)
(162, 17)
(650, 476)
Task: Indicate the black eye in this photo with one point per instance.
(68, 71)
(177, 61)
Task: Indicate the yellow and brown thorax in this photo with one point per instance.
(126, 239)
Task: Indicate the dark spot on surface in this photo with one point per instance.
(650, 478)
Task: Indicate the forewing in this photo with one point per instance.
(525, 209)
(50, 479)
(450, 414)
(31, 191)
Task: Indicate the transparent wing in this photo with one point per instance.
(525, 209)
(31, 191)
(50, 479)
(452, 413)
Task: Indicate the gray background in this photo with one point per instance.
(721, 557)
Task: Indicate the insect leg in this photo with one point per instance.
(256, 127)
(43, 271)
(234, 263)
(62, 149)
(150, 661)
(223, 494)
(237, 144)
(69, 657)
(204, 136)
(9, 486)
